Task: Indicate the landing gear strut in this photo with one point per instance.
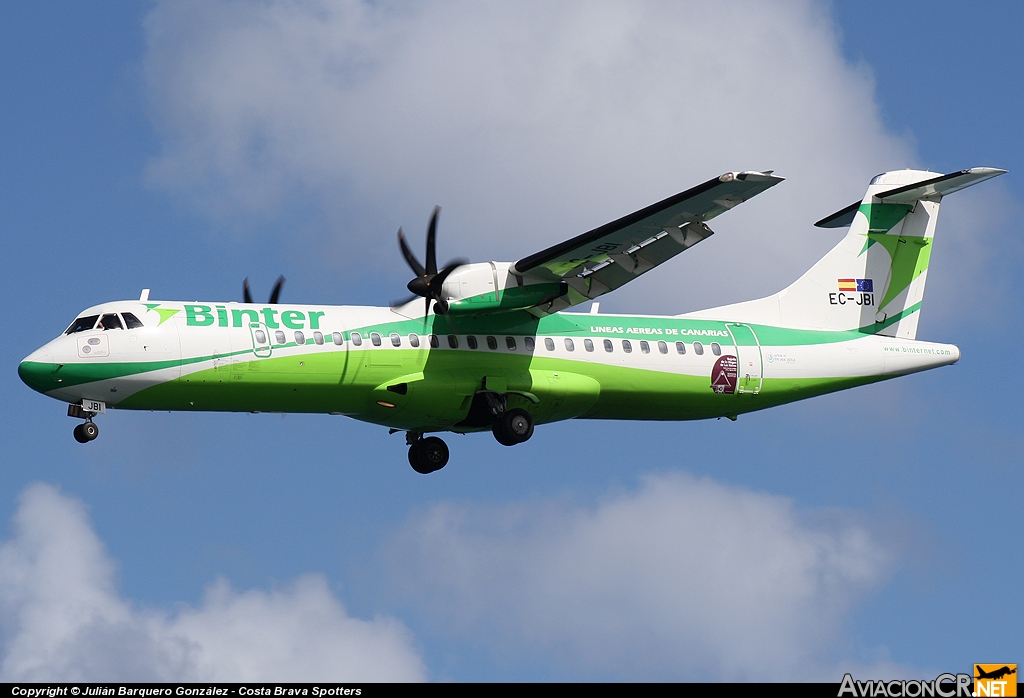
(86, 432)
(512, 427)
(426, 455)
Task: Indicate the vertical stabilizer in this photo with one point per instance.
(874, 279)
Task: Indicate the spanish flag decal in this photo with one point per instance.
(856, 285)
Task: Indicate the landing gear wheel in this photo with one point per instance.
(440, 307)
(513, 427)
(80, 436)
(428, 455)
(90, 431)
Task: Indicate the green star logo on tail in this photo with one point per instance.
(164, 313)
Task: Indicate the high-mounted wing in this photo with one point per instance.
(608, 257)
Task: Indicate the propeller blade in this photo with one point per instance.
(276, 293)
(410, 258)
(246, 296)
(432, 242)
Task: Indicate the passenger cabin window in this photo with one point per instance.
(111, 321)
(434, 341)
(375, 339)
(549, 344)
(510, 342)
(82, 324)
(588, 345)
(338, 339)
(300, 338)
(663, 347)
(318, 337)
(453, 341)
(645, 347)
(414, 340)
(357, 339)
(471, 341)
(569, 345)
(492, 343)
(698, 348)
(608, 347)
(396, 340)
(626, 346)
(131, 322)
(680, 348)
(716, 348)
(261, 337)
(279, 336)
(529, 344)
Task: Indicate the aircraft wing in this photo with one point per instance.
(608, 257)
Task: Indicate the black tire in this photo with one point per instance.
(513, 427)
(500, 434)
(80, 436)
(440, 307)
(428, 455)
(90, 431)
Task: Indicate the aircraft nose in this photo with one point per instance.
(37, 370)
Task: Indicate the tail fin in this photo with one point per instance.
(874, 279)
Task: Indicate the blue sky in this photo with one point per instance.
(182, 147)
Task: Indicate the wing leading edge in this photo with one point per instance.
(602, 260)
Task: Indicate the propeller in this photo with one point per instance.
(429, 280)
(275, 294)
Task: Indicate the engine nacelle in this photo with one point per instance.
(490, 287)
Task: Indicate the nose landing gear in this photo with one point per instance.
(86, 432)
(426, 455)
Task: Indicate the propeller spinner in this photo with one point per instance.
(429, 281)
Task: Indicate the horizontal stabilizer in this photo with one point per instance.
(934, 187)
(940, 186)
(840, 219)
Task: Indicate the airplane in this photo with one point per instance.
(995, 674)
(491, 347)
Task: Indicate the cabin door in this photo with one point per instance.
(260, 336)
(748, 356)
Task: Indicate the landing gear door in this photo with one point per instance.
(260, 340)
(748, 356)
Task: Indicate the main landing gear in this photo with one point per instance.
(512, 427)
(509, 426)
(489, 408)
(426, 455)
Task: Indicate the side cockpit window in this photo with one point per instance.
(130, 321)
(82, 324)
(111, 321)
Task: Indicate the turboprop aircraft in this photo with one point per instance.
(491, 346)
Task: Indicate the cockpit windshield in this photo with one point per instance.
(86, 322)
(131, 321)
(111, 321)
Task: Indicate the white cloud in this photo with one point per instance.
(528, 121)
(62, 619)
(681, 579)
